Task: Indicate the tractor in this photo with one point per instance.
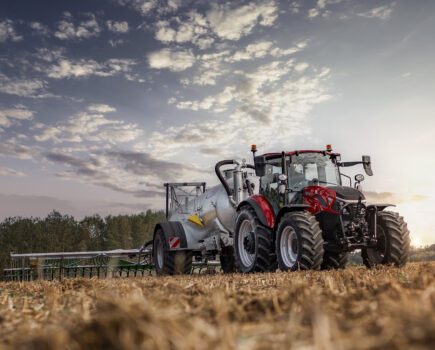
(301, 217)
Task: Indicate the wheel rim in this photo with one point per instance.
(160, 251)
(246, 243)
(377, 255)
(289, 246)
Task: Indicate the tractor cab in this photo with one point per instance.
(284, 176)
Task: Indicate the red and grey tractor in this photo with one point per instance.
(300, 217)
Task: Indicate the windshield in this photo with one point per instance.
(308, 169)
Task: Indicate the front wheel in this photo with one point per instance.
(252, 243)
(170, 262)
(392, 246)
(299, 242)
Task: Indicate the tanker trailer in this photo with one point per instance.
(200, 222)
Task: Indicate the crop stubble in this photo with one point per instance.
(383, 308)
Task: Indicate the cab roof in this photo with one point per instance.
(273, 155)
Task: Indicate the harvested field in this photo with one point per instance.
(384, 308)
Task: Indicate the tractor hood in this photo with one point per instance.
(347, 193)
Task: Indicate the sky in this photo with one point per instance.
(102, 101)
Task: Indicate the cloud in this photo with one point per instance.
(321, 8)
(65, 68)
(381, 12)
(394, 198)
(117, 27)
(7, 31)
(232, 23)
(20, 87)
(152, 7)
(40, 28)
(193, 29)
(67, 30)
(269, 103)
(92, 127)
(11, 148)
(10, 115)
(11, 172)
(174, 60)
(101, 108)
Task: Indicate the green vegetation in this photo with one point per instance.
(62, 233)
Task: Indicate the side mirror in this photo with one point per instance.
(260, 166)
(367, 164)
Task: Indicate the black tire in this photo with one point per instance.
(393, 242)
(172, 262)
(332, 260)
(256, 246)
(227, 260)
(303, 232)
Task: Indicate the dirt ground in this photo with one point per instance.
(383, 308)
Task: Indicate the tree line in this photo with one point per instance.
(63, 233)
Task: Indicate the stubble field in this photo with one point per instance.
(383, 308)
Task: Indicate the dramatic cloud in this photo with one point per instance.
(7, 31)
(118, 27)
(88, 28)
(174, 60)
(270, 102)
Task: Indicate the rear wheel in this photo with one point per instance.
(393, 242)
(299, 242)
(252, 243)
(332, 260)
(170, 262)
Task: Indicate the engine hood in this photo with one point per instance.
(347, 193)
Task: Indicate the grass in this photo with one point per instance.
(383, 308)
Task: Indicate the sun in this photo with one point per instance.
(416, 242)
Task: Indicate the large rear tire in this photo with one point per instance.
(253, 245)
(299, 242)
(170, 262)
(393, 242)
(332, 260)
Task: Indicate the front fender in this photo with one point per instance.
(380, 207)
(289, 208)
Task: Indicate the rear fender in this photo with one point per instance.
(174, 234)
(262, 208)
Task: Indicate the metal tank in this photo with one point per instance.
(208, 218)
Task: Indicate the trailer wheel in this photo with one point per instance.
(227, 260)
(332, 260)
(252, 243)
(299, 242)
(170, 262)
(393, 242)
